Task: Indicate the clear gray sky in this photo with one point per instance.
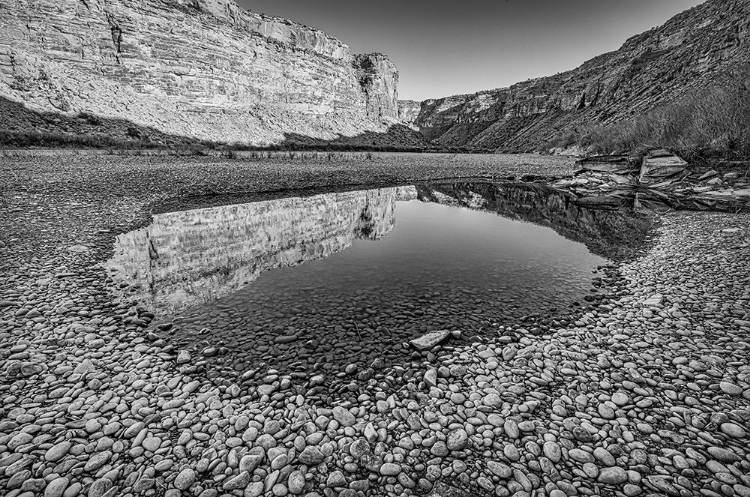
(445, 47)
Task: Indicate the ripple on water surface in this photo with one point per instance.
(319, 283)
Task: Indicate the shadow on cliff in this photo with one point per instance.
(22, 127)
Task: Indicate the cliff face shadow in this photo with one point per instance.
(23, 127)
(397, 137)
(334, 336)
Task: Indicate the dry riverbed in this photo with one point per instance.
(646, 394)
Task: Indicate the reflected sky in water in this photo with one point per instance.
(438, 246)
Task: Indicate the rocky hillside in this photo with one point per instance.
(689, 52)
(203, 69)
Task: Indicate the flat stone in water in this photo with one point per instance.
(430, 340)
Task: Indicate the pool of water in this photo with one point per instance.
(337, 283)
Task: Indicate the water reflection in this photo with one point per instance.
(186, 258)
(466, 256)
(611, 234)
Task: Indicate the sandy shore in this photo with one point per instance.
(647, 395)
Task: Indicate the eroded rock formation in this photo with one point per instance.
(658, 181)
(688, 52)
(189, 257)
(204, 69)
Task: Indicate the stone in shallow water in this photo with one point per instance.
(430, 340)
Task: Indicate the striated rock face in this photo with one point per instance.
(408, 110)
(688, 52)
(378, 78)
(190, 257)
(205, 69)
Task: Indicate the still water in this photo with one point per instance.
(322, 282)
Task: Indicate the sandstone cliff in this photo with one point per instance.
(204, 69)
(408, 110)
(687, 53)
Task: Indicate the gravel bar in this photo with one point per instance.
(647, 393)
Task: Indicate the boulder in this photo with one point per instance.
(660, 165)
(610, 164)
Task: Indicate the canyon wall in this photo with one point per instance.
(204, 69)
(190, 257)
(691, 51)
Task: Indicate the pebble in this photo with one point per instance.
(296, 482)
(652, 382)
(613, 476)
(185, 479)
(390, 469)
(457, 439)
(56, 487)
(733, 430)
(730, 388)
(57, 451)
(343, 416)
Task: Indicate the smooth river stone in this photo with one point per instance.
(430, 340)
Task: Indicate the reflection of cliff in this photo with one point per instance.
(611, 234)
(185, 258)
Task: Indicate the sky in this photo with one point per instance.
(444, 47)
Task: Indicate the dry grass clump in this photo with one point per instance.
(714, 122)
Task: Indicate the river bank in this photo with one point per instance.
(647, 394)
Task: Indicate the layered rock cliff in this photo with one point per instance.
(190, 257)
(689, 52)
(204, 69)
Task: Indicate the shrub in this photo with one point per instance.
(713, 122)
(90, 118)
